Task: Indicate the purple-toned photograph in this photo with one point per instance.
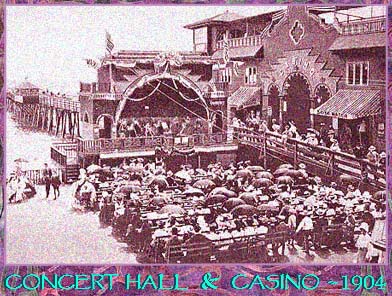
(196, 134)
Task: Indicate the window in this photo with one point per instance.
(86, 117)
(251, 75)
(225, 75)
(200, 39)
(358, 73)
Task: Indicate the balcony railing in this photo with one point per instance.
(221, 91)
(242, 41)
(60, 102)
(371, 25)
(106, 96)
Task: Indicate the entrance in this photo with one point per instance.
(298, 101)
(105, 127)
(273, 102)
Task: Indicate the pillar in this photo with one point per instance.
(312, 107)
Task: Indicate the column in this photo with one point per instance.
(312, 107)
(282, 111)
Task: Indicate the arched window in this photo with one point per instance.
(85, 119)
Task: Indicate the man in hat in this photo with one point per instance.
(305, 228)
(363, 242)
(372, 155)
(47, 178)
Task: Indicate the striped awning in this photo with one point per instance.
(239, 52)
(245, 96)
(351, 104)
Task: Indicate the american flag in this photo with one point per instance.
(226, 58)
(109, 43)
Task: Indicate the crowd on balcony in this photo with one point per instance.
(325, 136)
(162, 126)
(241, 212)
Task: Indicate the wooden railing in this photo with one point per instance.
(37, 176)
(106, 96)
(371, 25)
(142, 143)
(64, 153)
(329, 161)
(59, 102)
(242, 41)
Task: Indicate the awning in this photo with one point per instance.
(359, 41)
(351, 104)
(245, 96)
(239, 52)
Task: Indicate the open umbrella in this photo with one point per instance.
(294, 173)
(266, 175)
(248, 197)
(281, 172)
(284, 180)
(126, 189)
(182, 175)
(255, 168)
(21, 160)
(224, 191)
(245, 173)
(267, 207)
(286, 166)
(380, 195)
(172, 209)
(346, 179)
(159, 181)
(262, 183)
(215, 199)
(193, 192)
(231, 203)
(94, 168)
(159, 201)
(204, 184)
(244, 210)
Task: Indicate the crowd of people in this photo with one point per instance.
(325, 136)
(168, 126)
(228, 214)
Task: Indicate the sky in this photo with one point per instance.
(49, 45)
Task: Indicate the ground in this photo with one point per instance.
(41, 231)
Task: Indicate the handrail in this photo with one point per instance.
(242, 41)
(371, 25)
(133, 143)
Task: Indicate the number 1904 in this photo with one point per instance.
(366, 282)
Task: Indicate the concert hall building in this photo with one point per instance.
(293, 64)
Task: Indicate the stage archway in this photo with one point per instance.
(273, 101)
(163, 95)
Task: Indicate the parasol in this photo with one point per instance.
(233, 202)
(244, 210)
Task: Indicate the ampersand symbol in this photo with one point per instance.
(208, 281)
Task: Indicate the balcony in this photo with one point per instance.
(370, 25)
(106, 96)
(242, 42)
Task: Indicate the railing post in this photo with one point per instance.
(295, 154)
(265, 150)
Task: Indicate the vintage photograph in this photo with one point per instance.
(191, 134)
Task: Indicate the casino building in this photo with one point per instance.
(290, 64)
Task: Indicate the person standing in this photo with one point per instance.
(47, 178)
(56, 182)
(362, 128)
(306, 229)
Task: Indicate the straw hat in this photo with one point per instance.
(364, 226)
(372, 148)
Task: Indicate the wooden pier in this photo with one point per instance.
(53, 114)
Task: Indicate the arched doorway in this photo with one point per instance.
(298, 101)
(105, 126)
(273, 101)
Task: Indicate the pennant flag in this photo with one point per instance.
(92, 63)
(278, 15)
(109, 43)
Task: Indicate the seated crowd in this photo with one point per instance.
(241, 212)
(165, 126)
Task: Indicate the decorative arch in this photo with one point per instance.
(104, 115)
(273, 84)
(290, 76)
(318, 87)
(105, 130)
(152, 78)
